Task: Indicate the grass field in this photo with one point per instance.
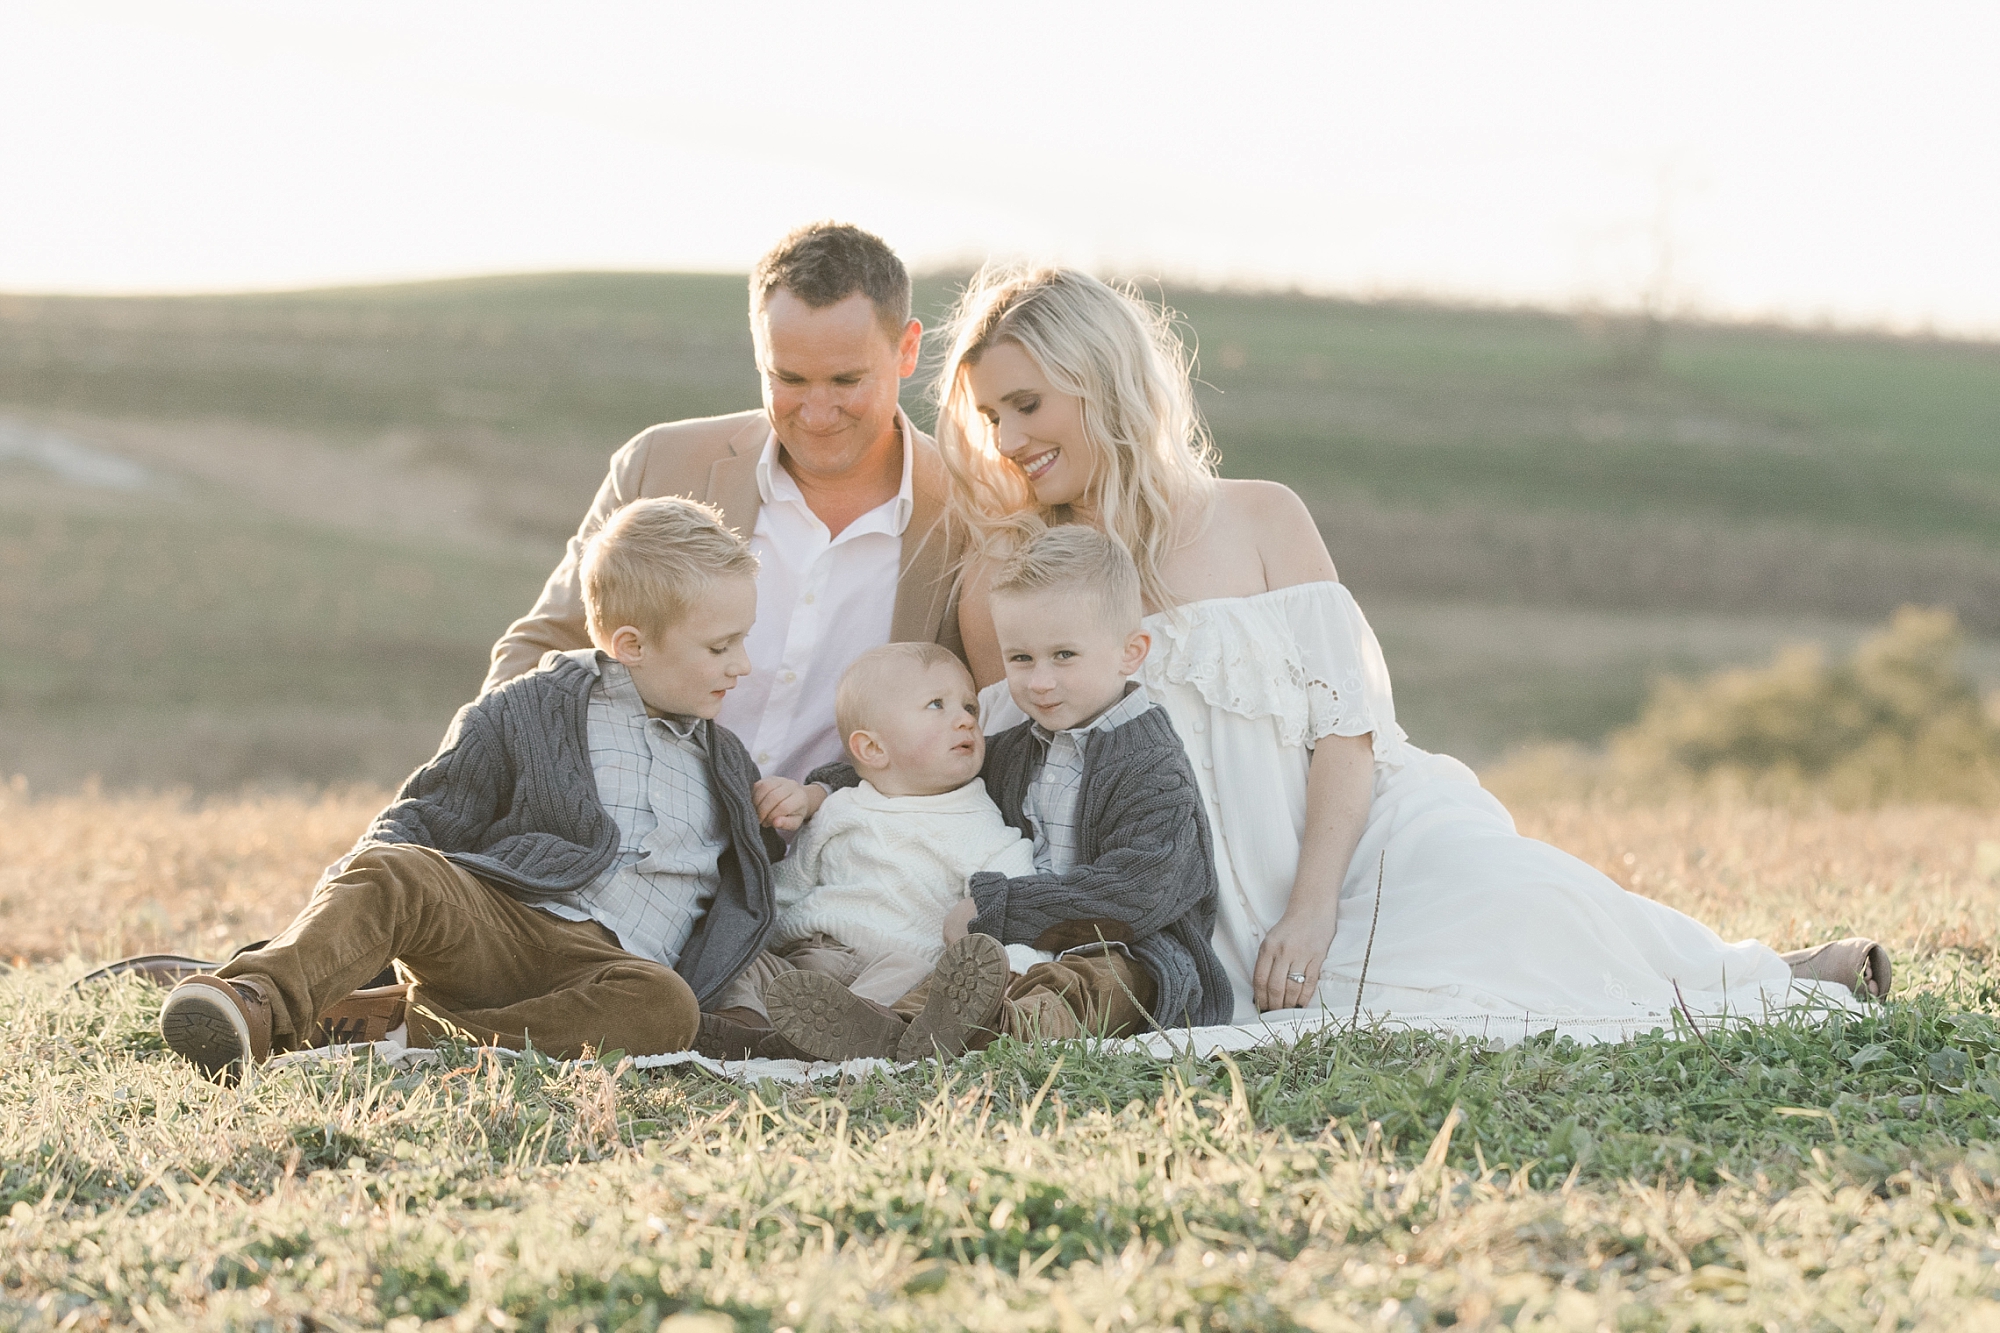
(253, 548)
(330, 503)
(1839, 1177)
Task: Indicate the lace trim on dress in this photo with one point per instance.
(1303, 655)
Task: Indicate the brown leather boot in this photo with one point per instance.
(964, 1003)
(223, 1027)
(828, 1021)
(743, 1034)
(364, 1017)
(731, 1036)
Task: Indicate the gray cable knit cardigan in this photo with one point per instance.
(1145, 870)
(511, 797)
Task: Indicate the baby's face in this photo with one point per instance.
(926, 723)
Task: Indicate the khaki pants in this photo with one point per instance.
(887, 982)
(481, 962)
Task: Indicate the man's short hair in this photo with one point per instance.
(1077, 557)
(862, 683)
(651, 559)
(824, 263)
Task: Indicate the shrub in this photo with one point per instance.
(1899, 721)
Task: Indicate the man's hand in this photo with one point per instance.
(783, 804)
(958, 922)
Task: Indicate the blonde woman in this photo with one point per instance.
(1063, 400)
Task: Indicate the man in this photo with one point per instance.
(842, 497)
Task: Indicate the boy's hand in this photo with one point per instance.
(783, 804)
(958, 922)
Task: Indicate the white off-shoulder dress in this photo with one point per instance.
(1481, 932)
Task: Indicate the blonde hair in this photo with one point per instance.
(651, 559)
(861, 685)
(1152, 465)
(1082, 559)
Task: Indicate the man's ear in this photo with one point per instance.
(1136, 647)
(909, 348)
(627, 645)
(867, 751)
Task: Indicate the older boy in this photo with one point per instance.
(1125, 881)
(580, 866)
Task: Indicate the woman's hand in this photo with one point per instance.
(1340, 786)
(784, 805)
(958, 921)
(1295, 948)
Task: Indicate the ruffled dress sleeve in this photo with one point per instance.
(1304, 656)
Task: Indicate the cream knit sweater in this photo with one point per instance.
(880, 873)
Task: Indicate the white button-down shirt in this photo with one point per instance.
(822, 601)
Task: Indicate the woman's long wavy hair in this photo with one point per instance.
(1152, 466)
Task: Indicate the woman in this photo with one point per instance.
(1062, 400)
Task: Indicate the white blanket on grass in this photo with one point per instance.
(1280, 1028)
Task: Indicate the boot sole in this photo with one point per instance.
(966, 990)
(824, 1019)
(203, 1028)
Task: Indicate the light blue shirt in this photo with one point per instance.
(1053, 796)
(653, 778)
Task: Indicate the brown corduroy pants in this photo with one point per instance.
(1079, 995)
(481, 962)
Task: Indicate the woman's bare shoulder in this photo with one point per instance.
(1272, 517)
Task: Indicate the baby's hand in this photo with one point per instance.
(958, 922)
(783, 804)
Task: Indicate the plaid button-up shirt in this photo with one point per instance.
(1051, 803)
(653, 777)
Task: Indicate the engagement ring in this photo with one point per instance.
(1296, 976)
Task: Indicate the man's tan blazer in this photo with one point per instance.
(714, 459)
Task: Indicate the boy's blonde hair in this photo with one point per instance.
(651, 559)
(862, 683)
(1077, 556)
(1152, 478)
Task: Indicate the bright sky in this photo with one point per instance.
(1805, 161)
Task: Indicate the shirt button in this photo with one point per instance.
(1199, 725)
(791, 676)
(1207, 762)
(806, 600)
(764, 756)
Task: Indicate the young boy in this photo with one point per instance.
(1125, 883)
(863, 897)
(580, 866)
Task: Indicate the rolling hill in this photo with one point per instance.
(269, 537)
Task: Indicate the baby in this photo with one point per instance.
(864, 895)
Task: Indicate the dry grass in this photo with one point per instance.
(1777, 1177)
(1921, 878)
(102, 876)
(98, 876)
